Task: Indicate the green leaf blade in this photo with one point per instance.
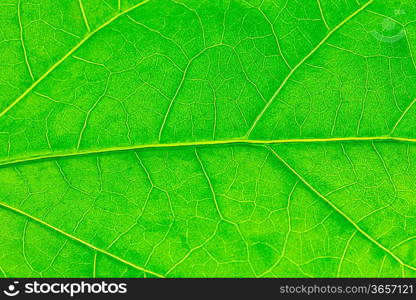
(209, 138)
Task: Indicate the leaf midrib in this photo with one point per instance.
(289, 167)
(203, 143)
(206, 143)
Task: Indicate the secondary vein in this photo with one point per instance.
(266, 107)
(22, 41)
(59, 62)
(37, 220)
(339, 211)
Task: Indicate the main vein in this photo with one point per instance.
(59, 62)
(53, 155)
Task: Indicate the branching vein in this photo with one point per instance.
(49, 226)
(283, 84)
(21, 40)
(339, 211)
(59, 62)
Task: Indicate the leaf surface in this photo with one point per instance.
(226, 138)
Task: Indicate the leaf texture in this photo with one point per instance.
(196, 138)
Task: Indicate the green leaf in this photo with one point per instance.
(220, 138)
